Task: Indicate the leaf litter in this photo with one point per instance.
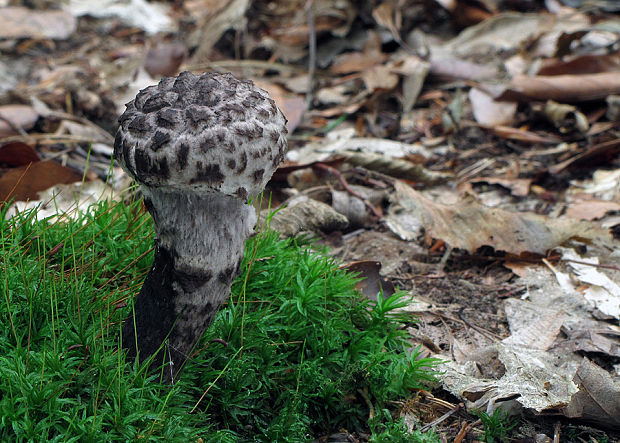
(464, 151)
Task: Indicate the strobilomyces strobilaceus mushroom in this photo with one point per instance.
(199, 146)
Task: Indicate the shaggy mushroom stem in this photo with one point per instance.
(198, 252)
(199, 146)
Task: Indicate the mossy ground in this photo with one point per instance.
(295, 354)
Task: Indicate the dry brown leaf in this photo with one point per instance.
(590, 209)
(371, 283)
(25, 182)
(519, 187)
(379, 77)
(469, 225)
(598, 399)
(522, 135)
(584, 64)
(164, 59)
(17, 154)
(292, 106)
(562, 88)
(356, 62)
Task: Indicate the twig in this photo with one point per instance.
(311, 52)
(440, 419)
(596, 265)
(462, 433)
(346, 186)
(556, 433)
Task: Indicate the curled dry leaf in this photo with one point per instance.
(307, 216)
(371, 283)
(396, 167)
(217, 18)
(598, 399)
(566, 118)
(469, 225)
(562, 88)
(489, 112)
(519, 187)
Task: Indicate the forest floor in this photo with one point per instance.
(464, 151)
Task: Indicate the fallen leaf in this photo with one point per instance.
(356, 62)
(25, 182)
(152, 17)
(306, 215)
(490, 112)
(379, 77)
(590, 209)
(292, 106)
(164, 59)
(519, 187)
(17, 154)
(532, 325)
(18, 22)
(16, 116)
(469, 225)
(562, 88)
(598, 399)
(371, 283)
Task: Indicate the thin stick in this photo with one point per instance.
(311, 52)
(347, 188)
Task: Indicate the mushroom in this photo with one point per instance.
(199, 146)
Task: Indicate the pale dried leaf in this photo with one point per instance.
(152, 17)
(598, 399)
(489, 112)
(305, 216)
(469, 225)
(396, 167)
(532, 325)
(18, 22)
(16, 116)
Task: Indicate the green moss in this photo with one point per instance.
(296, 353)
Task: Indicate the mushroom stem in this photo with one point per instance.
(198, 252)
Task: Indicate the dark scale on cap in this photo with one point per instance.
(243, 163)
(242, 193)
(159, 139)
(258, 175)
(138, 125)
(167, 118)
(155, 104)
(182, 152)
(208, 174)
(201, 130)
(248, 131)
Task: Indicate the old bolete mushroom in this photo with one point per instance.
(199, 146)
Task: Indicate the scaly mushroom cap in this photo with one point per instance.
(202, 133)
